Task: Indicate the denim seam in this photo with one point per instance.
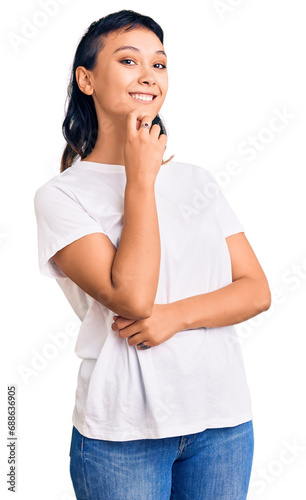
(83, 466)
(183, 445)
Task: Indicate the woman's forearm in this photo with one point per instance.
(229, 305)
(135, 269)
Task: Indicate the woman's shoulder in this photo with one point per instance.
(58, 189)
(63, 181)
(180, 167)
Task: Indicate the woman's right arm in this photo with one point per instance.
(125, 280)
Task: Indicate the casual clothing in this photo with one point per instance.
(196, 379)
(215, 464)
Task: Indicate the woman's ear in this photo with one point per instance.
(83, 79)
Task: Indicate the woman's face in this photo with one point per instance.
(130, 74)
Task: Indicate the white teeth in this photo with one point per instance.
(143, 97)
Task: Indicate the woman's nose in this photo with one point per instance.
(147, 77)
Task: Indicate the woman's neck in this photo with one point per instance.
(109, 147)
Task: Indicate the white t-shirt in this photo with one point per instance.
(196, 379)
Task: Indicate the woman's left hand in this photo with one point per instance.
(159, 327)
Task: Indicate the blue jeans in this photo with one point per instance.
(213, 464)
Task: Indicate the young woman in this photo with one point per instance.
(158, 268)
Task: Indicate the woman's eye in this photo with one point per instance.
(127, 61)
(130, 62)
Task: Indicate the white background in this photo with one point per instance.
(231, 65)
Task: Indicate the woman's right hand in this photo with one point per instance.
(143, 150)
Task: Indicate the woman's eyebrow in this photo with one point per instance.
(129, 47)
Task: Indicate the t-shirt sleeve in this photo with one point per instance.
(227, 218)
(61, 219)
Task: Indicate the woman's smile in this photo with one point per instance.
(144, 97)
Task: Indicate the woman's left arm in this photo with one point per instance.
(248, 294)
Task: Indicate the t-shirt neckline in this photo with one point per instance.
(109, 167)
